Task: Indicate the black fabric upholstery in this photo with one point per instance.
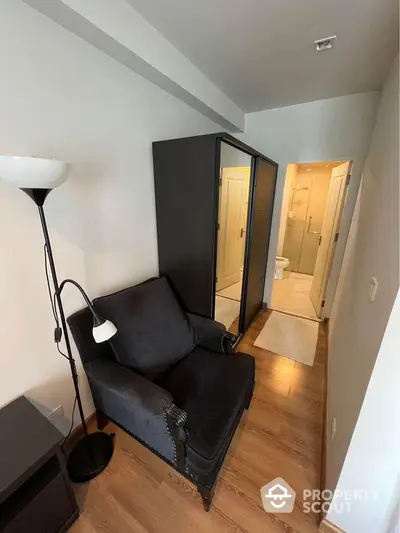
(133, 403)
(190, 367)
(153, 331)
(211, 388)
(205, 470)
(211, 334)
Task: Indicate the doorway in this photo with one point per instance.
(234, 189)
(313, 200)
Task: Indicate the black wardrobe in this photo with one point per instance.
(187, 185)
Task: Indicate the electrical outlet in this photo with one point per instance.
(58, 412)
(333, 428)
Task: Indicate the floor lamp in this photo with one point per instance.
(37, 178)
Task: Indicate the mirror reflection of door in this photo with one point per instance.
(232, 219)
(234, 194)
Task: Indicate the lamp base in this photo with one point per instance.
(90, 456)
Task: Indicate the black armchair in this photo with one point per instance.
(169, 378)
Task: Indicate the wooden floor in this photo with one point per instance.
(280, 436)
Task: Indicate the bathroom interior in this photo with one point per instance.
(308, 197)
(233, 208)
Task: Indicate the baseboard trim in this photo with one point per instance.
(324, 416)
(77, 433)
(327, 527)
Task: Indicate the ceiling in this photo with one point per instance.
(260, 53)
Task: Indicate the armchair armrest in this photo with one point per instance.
(141, 407)
(211, 334)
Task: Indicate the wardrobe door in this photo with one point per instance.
(186, 188)
(259, 229)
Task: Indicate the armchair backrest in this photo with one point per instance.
(154, 332)
(81, 324)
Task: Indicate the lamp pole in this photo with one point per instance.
(93, 451)
(71, 360)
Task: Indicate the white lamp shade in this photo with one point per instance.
(104, 332)
(32, 172)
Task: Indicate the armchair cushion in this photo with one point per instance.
(212, 388)
(153, 331)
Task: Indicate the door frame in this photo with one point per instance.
(334, 236)
(341, 231)
(255, 155)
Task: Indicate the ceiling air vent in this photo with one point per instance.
(324, 44)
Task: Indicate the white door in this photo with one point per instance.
(233, 200)
(330, 226)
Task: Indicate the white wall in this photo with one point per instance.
(326, 130)
(373, 461)
(117, 29)
(394, 523)
(356, 336)
(232, 157)
(62, 98)
(348, 259)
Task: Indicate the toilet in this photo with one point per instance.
(280, 265)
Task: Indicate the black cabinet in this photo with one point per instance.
(36, 495)
(187, 175)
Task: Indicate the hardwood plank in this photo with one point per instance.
(328, 527)
(279, 436)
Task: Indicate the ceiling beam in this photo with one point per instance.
(116, 29)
